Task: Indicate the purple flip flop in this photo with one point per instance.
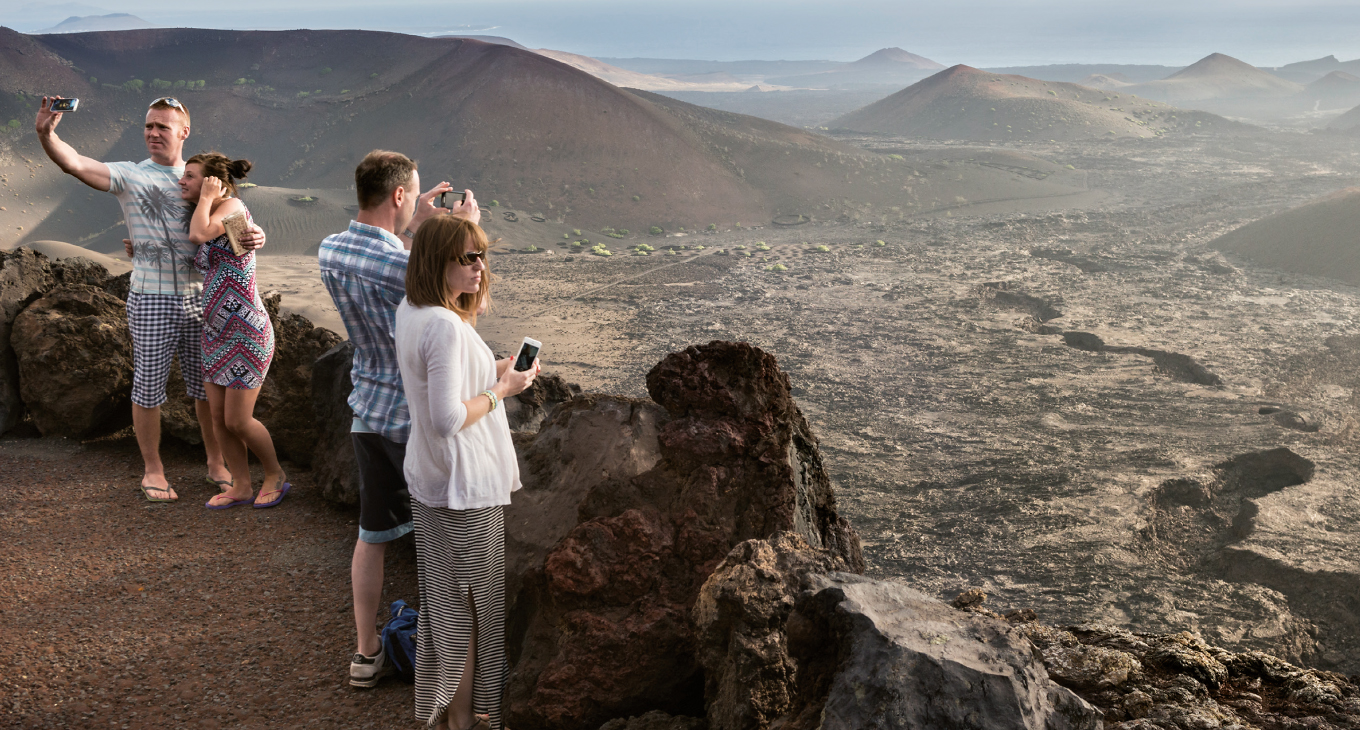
(229, 505)
(282, 492)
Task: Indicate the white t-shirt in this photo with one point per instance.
(444, 362)
(158, 224)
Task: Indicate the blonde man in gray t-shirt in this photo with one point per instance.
(165, 309)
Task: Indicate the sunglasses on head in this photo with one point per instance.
(172, 101)
(471, 257)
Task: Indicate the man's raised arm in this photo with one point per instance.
(91, 172)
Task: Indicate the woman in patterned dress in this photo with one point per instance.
(238, 340)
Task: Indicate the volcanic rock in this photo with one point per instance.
(75, 361)
(297, 345)
(602, 630)
(333, 465)
(24, 276)
(526, 411)
(1178, 681)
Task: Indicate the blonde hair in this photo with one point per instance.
(440, 240)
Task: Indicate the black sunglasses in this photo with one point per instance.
(471, 257)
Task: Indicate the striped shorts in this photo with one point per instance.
(460, 558)
(162, 326)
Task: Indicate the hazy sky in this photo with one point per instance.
(977, 32)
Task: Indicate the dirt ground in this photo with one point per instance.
(120, 613)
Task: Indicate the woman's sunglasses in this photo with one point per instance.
(470, 258)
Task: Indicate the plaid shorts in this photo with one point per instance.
(162, 326)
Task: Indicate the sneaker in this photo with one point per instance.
(365, 671)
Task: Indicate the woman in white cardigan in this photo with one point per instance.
(460, 468)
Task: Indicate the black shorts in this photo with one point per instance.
(384, 501)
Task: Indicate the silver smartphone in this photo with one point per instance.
(64, 105)
(528, 351)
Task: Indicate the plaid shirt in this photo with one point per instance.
(364, 269)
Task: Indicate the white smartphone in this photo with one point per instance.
(528, 351)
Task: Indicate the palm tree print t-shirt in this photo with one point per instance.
(158, 224)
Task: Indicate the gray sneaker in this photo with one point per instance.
(365, 671)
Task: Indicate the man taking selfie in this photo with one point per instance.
(164, 306)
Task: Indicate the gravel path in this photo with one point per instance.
(119, 613)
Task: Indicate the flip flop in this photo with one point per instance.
(230, 504)
(221, 484)
(282, 491)
(146, 492)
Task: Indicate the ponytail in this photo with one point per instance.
(216, 164)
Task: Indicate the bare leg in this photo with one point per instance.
(366, 577)
(460, 705)
(217, 465)
(241, 422)
(146, 422)
(233, 449)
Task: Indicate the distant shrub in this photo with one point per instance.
(615, 235)
(739, 246)
(777, 267)
(747, 254)
(1069, 167)
(344, 91)
(712, 226)
(161, 84)
(532, 248)
(762, 246)
(325, 70)
(823, 248)
(698, 248)
(623, 231)
(641, 253)
(575, 244)
(567, 236)
(607, 229)
(197, 84)
(672, 252)
(93, 80)
(655, 230)
(237, 82)
(373, 75)
(643, 247)
(181, 84)
(496, 204)
(134, 85)
(879, 243)
(13, 124)
(899, 158)
(637, 198)
(303, 94)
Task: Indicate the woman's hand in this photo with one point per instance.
(211, 191)
(503, 365)
(513, 382)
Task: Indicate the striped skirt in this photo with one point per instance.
(460, 552)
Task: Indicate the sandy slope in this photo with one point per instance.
(1318, 238)
(1216, 76)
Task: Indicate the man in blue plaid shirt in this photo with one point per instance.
(364, 270)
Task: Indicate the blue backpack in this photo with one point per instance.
(399, 640)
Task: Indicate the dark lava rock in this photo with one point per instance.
(905, 660)
(1179, 682)
(333, 466)
(602, 630)
(655, 720)
(288, 387)
(1001, 295)
(24, 276)
(75, 361)
(1083, 341)
(526, 411)
(80, 270)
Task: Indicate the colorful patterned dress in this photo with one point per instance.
(238, 341)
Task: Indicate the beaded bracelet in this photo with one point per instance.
(492, 396)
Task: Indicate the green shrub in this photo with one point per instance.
(373, 75)
(739, 246)
(93, 80)
(655, 230)
(496, 204)
(575, 244)
(325, 70)
(567, 236)
(777, 267)
(237, 82)
(197, 84)
(643, 247)
(823, 248)
(615, 235)
(879, 243)
(899, 158)
(303, 94)
(747, 254)
(134, 85)
(641, 253)
(672, 252)
(161, 84)
(698, 248)
(712, 226)
(181, 84)
(637, 198)
(1069, 167)
(576, 231)
(623, 231)
(760, 246)
(532, 248)
(14, 124)
(344, 91)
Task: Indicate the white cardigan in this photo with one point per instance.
(444, 362)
